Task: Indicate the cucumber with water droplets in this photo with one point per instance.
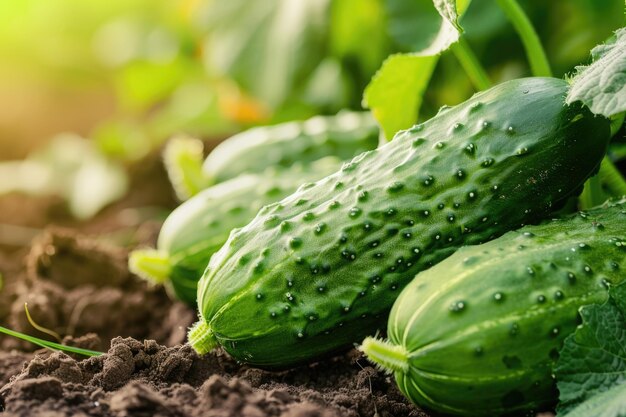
(344, 136)
(501, 311)
(320, 270)
(201, 225)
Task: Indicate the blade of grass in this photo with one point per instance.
(50, 345)
(40, 328)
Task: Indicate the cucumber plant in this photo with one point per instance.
(501, 310)
(320, 269)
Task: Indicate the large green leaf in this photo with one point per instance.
(602, 85)
(591, 370)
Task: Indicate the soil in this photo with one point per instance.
(74, 279)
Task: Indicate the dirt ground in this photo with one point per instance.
(74, 278)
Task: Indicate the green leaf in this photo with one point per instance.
(602, 85)
(448, 10)
(592, 363)
(427, 27)
(50, 345)
(611, 403)
(395, 93)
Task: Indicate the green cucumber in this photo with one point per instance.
(478, 334)
(200, 226)
(344, 136)
(321, 269)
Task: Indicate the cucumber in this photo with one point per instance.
(478, 334)
(344, 135)
(321, 269)
(200, 226)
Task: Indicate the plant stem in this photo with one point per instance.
(609, 175)
(592, 194)
(616, 123)
(612, 178)
(470, 63)
(537, 58)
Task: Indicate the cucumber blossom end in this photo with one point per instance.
(150, 264)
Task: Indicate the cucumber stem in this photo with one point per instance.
(150, 264)
(390, 357)
(539, 65)
(470, 63)
(201, 337)
(183, 157)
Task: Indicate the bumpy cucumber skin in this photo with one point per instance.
(483, 328)
(201, 225)
(344, 136)
(321, 269)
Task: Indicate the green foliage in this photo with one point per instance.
(609, 403)
(601, 84)
(165, 66)
(591, 371)
(423, 26)
(396, 92)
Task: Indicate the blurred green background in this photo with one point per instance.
(129, 73)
